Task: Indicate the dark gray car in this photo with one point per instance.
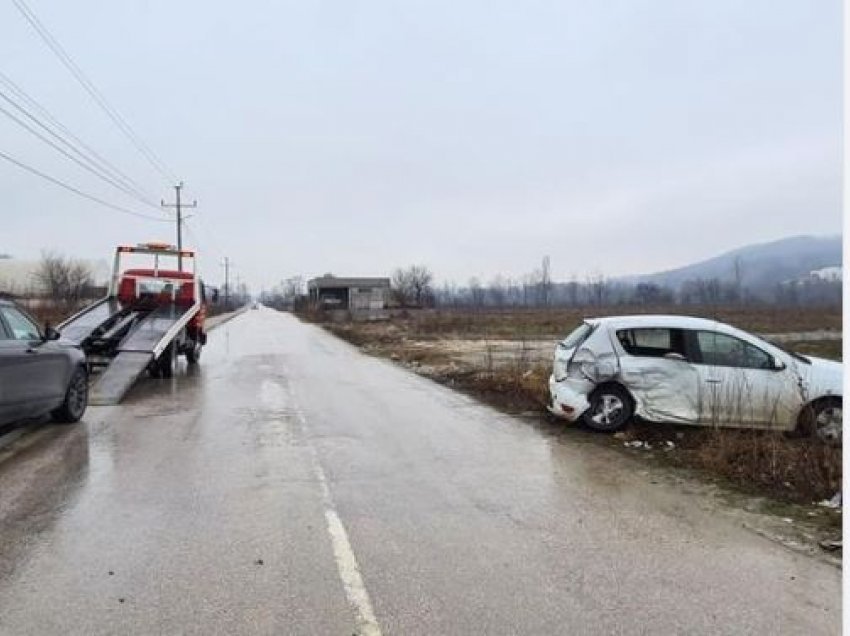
(39, 372)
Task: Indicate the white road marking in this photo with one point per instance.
(346, 562)
(272, 394)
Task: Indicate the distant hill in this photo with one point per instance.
(762, 265)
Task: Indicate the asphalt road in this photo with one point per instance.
(292, 485)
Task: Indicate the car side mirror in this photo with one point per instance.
(777, 365)
(50, 333)
(672, 355)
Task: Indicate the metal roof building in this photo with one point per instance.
(354, 294)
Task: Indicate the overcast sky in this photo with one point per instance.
(475, 137)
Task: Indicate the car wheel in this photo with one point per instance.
(76, 398)
(610, 409)
(824, 420)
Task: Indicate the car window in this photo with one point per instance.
(577, 336)
(651, 342)
(718, 349)
(22, 327)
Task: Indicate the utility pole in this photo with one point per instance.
(177, 206)
(226, 283)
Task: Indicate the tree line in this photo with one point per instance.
(414, 286)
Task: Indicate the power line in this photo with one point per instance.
(205, 246)
(92, 90)
(77, 191)
(212, 242)
(93, 169)
(93, 156)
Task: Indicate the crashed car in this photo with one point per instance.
(694, 371)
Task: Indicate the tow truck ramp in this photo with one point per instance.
(118, 377)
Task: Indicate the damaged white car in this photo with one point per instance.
(691, 371)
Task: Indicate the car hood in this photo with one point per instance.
(822, 377)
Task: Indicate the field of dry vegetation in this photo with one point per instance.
(504, 358)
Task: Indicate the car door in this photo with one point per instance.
(40, 367)
(742, 385)
(13, 356)
(654, 366)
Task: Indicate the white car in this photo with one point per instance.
(690, 371)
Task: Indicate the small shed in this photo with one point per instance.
(352, 294)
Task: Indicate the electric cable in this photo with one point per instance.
(77, 191)
(92, 90)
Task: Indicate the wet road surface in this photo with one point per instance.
(291, 485)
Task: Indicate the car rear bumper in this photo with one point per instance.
(568, 399)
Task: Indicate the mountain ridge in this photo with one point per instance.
(759, 265)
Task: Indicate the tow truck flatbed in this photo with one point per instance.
(147, 318)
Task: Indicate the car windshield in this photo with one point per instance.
(577, 336)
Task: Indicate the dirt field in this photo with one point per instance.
(555, 323)
(504, 358)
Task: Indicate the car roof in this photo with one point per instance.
(661, 320)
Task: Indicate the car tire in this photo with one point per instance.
(611, 408)
(823, 419)
(76, 398)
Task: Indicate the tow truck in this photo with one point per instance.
(148, 317)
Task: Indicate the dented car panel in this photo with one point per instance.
(692, 371)
(664, 390)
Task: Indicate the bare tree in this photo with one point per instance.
(650, 294)
(420, 278)
(476, 292)
(545, 282)
(401, 287)
(412, 285)
(497, 291)
(64, 280)
(596, 287)
(738, 271)
(572, 289)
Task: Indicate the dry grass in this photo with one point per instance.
(830, 349)
(557, 322)
(797, 469)
(50, 315)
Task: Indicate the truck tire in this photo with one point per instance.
(76, 398)
(165, 362)
(193, 355)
